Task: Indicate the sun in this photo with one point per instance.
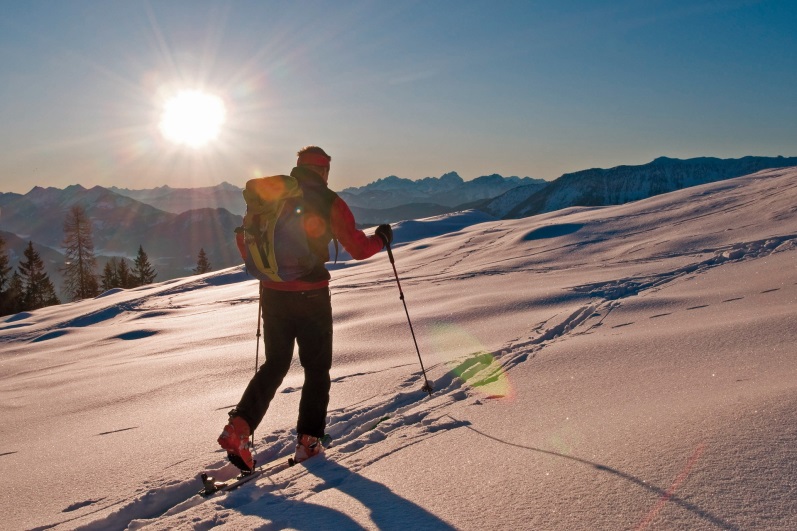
(193, 118)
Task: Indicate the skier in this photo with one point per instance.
(300, 311)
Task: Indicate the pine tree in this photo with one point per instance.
(5, 267)
(142, 269)
(80, 279)
(37, 288)
(110, 279)
(5, 279)
(202, 263)
(48, 293)
(14, 295)
(126, 280)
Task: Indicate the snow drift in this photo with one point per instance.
(628, 367)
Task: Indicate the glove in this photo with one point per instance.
(386, 233)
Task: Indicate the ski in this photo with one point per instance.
(211, 486)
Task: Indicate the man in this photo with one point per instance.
(300, 311)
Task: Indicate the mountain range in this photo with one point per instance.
(120, 224)
(448, 190)
(179, 200)
(623, 184)
(172, 224)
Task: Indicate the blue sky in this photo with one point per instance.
(414, 89)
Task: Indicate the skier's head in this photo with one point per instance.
(316, 159)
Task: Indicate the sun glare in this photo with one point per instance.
(192, 118)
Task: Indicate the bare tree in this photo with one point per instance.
(80, 279)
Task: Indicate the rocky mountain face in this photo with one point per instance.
(599, 187)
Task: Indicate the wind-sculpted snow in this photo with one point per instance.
(626, 367)
(627, 287)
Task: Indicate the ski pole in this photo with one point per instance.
(257, 346)
(427, 387)
(259, 317)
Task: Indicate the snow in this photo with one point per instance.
(628, 367)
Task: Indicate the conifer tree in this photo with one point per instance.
(142, 270)
(14, 295)
(202, 263)
(126, 280)
(5, 268)
(80, 279)
(37, 288)
(110, 279)
(5, 279)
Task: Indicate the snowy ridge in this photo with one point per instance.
(622, 184)
(626, 367)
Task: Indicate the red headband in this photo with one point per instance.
(313, 159)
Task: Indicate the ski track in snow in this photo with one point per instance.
(627, 287)
(409, 416)
(404, 416)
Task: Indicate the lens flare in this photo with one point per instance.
(468, 359)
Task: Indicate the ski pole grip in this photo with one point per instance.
(389, 253)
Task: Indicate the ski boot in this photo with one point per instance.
(306, 447)
(235, 439)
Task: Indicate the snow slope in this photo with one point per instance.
(627, 367)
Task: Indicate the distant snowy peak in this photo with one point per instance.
(622, 184)
(393, 183)
(449, 190)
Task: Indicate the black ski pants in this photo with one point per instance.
(293, 317)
